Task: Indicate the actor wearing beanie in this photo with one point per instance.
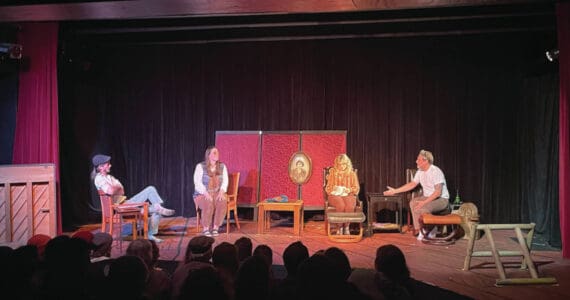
(112, 186)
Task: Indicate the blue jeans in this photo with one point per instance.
(149, 193)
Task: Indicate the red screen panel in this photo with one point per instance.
(240, 152)
(322, 148)
(276, 150)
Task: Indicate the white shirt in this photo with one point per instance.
(429, 178)
(199, 185)
(106, 182)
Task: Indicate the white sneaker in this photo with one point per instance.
(433, 233)
(340, 231)
(420, 236)
(165, 211)
(154, 238)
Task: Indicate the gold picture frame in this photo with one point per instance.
(300, 167)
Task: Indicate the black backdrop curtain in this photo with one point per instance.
(485, 105)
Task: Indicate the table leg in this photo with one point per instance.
(260, 219)
(296, 221)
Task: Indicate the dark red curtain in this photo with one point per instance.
(36, 137)
(563, 18)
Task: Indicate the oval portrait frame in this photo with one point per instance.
(301, 174)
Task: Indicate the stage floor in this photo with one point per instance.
(437, 265)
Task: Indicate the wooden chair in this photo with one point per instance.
(231, 193)
(133, 213)
(232, 199)
(334, 217)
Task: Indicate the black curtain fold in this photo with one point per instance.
(490, 123)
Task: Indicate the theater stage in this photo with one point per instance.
(437, 265)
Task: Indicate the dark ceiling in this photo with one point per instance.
(460, 20)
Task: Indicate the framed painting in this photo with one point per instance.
(300, 167)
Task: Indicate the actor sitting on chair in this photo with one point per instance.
(112, 186)
(210, 186)
(435, 195)
(342, 187)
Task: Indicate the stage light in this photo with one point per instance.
(552, 55)
(13, 51)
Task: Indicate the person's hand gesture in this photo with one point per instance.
(208, 197)
(390, 191)
(220, 197)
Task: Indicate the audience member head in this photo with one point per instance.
(86, 237)
(64, 254)
(252, 280)
(40, 241)
(143, 249)
(265, 252)
(204, 283)
(127, 277)
(199, 249)
(317, 278)
(293, 256)
(225, 257)
(5, 253)
(339, 259)
(391, 262)
(102, 243)
(67, 261)
(244, 247)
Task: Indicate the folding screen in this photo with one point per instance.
(262, 158)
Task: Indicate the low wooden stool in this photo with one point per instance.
(345, 217)
(427, 221)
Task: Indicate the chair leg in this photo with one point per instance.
(236, 217)
(228, 221)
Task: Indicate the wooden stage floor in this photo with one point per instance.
(437, 265)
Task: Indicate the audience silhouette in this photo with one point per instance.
(82, 268)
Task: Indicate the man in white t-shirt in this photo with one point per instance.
(435, 194)
(112, 186)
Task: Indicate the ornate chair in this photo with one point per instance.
(112, 213)
(232, 199)
(334, 217)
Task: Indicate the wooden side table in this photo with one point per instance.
(293, 205)
(373, 200)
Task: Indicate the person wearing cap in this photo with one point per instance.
(112, 186)
(210, 186)
(102, 243)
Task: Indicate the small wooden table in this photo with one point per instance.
(293, 205)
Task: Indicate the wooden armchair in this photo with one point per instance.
(112, 213)
(233, 184)
(232, 199)
(334, 217)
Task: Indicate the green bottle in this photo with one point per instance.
(457, 199)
